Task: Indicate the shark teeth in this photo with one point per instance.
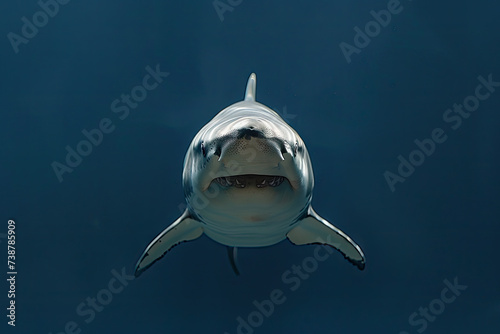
(242, 181)
(276, 181)
(239, 183)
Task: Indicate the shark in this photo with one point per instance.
(248, 182)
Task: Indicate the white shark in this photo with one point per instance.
(248, 182)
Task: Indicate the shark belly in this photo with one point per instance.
(250, 217)
(254, 231)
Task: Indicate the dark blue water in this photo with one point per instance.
(429, 231)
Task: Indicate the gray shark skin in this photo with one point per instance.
(248, 182)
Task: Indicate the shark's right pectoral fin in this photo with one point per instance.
(183, 229)
(313, 229)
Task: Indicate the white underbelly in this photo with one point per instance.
(248, 234)
(249, 217)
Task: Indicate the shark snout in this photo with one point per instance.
(248, 127)
(250, 132)
(251, 140)
(251, 147)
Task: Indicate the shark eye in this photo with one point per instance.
(295, 148)
(203, 150)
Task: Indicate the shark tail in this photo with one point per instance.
(232, 253)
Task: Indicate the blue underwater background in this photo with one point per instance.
(359, 87)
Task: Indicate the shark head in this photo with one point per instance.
(247, 166)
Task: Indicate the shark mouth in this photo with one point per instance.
(248, 180)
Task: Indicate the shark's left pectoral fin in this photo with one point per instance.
(185, 228)
(314, 229)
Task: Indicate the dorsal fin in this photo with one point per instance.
(251, 84)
